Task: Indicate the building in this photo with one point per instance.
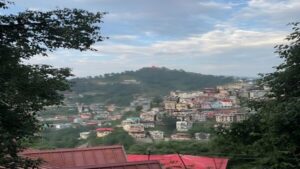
(170, 105)
(85, 116)
(134, 119)
(102, 132)
(231, 117)
(199, 117)
(183, 125)
(148, 124)
(135, 128)
(84, 135)
(206, 106)
(181, 106)
(149, 116)
(175, 161)
(108, 157)
(145, 103)
(257, 94)
(181, 136)
(226, 103)
(137, 135)
(202, 136)
(156, 135)
(61, 125)
(111, 108)
(127, 122)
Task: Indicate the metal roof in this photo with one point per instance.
(173, 161)
(79, 157)
(128, 165)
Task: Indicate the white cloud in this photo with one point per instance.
(123, 37)
(225, 50)
(213, 42)
(271, 11)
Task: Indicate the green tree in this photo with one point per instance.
(138, 108)
(156, 101)
(169, 124)
(26, 89)
(270, 138)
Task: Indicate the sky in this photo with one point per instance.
(219, 37)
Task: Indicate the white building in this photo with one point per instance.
(157, 135)
(183, 125)
(84, 135)
(231, 117)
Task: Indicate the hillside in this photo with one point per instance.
(120, 88)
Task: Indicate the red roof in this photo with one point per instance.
(129, 165)
(173, 161)
(225, 100)
(104, 129)
(80, 157)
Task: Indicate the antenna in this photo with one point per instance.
(181, 160)
(149, 153)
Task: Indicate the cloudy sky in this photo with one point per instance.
(221, 37)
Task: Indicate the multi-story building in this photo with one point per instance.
(157, 135)
(183, 125)
(181, 136)
(102, 132)
(231, 117)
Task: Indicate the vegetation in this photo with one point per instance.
(131, 114)
(60, 110)
(171, 147)
(63, 138)
(270, 138)
(157, 101)
(169, 125)
(118, 136)
(26, 89)
(153, 82)
(205, 127)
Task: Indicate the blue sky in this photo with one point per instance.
(220, 37)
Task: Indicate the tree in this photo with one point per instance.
(270, 138)
(156, 101)
(27, 89)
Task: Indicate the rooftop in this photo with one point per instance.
(79, 157)
(129, 165)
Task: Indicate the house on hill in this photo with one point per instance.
(102, 132)
(181, 136)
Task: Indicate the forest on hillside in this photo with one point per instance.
(120, 88)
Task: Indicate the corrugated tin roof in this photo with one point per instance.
(70, 158)
(173, 161)
(129, 165)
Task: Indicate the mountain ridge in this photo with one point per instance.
(120, 88)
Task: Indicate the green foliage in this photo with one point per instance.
(155, 82)
(130, 114)
(138, 108)
(53, 111)
(206, 127)
(169, 124)
(171, 147)
(63, 138)
(156, 101)
(118, 136)
(26, 89)
(270, 138)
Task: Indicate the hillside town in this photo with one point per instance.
(220, 106)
